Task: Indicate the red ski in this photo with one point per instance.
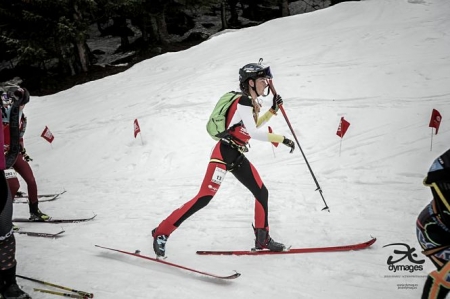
(357, 246)
(232, 276)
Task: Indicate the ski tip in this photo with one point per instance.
(369, 243)
(233, 276)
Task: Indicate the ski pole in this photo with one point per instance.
(81, 293)
(272, 88)
(70, 295)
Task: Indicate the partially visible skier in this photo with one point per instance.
(8, 284)
(21, 165)
(433, 228)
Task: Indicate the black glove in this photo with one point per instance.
(277, 102)
(25, 155)
(289, 143)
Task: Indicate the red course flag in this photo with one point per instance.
(137, 129)
(47, 135)
(274, 143)
(343, 126)
(435, 120)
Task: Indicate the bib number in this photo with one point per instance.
(218, 175)
(10, 174)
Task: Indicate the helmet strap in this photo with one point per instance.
(253, 87)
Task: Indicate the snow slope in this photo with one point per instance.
(382, 64)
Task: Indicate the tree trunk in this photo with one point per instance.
(234, 19)
(144, 31)
(65, 62)
(84, 61)
(80, 41)
(121, 24)
(253, 11)
(162, 27)
(153, 30)
(223, 15)
(284, 7)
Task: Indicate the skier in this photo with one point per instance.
(243, 123)
(20, 165)
(433, 228)
(8, 284)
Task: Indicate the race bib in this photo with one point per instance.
(218, 175)
(10, 174)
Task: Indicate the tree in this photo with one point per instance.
(62, 32)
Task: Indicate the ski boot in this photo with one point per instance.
(264, 241)
(36, 214)
(14, 292)
(159, 244)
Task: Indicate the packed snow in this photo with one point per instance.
(383, 65)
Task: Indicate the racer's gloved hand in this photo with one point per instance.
(25, 155)
(289, 143)
(27, 158)
(276, 102)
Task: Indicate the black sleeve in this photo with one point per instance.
(245, 101)
(3, 190)
(440, 169)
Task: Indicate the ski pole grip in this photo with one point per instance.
(274, 92)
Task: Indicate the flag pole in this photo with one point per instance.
(431, 146)
(340, 146)
(273, 150)
(142, 140)
(435, 122)
(274, 145)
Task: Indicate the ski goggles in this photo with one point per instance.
(264, 73)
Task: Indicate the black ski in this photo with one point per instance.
(39, 234)
(23, 198)
(55, 220)
(21, 194)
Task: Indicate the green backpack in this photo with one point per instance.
(217, 121)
